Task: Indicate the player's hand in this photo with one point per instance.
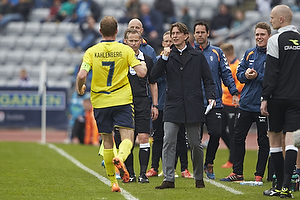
(210, 100)
(82, 90)
(154, 113)
(263, 108)
(251, 73)
(235, 101)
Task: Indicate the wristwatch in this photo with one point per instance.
(263, 99)
(156, 106)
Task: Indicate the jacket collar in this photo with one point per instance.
(287, 28)
(199, 47)
(188, 47)
(233, 60)
(261, 50)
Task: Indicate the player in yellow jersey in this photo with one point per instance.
(111, 95)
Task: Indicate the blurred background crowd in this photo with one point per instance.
(59, 31)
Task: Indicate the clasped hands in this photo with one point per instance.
(251, 73)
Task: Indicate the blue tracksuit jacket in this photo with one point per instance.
(251, 93)
(220, 71)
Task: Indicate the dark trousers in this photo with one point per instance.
(214, 127)
(228, 123)
(243, 125)
(158, 129)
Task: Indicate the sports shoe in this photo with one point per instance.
(118, 175)
(151, 172)
(233, 177)
(258, 179)
(228, 164)
(286, 193)
(161, 174)
(209, 170)
(186, 174)
(166, 185)
(115, 188)
(200, 184)
(122, 169)
(132, 178)
(272, 192)
(175, 174)
(143, 178)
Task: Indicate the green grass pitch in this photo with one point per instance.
(35, 171)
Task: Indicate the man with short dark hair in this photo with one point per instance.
(221, 73)
(187, 71)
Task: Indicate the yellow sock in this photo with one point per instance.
(108, 155)
(124, 149)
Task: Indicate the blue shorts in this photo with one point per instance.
(117, 116)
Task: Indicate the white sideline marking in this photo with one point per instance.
(229, 189)
(126, 194)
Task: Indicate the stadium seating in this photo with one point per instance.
(57, 43)
(39, 13)
(32, 28)
(15, 28)
(27, 44)
(8, 42)
(24, 43)
(31, 58)
(49, 28)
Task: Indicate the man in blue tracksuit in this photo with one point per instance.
(221, 72)
(251, 72)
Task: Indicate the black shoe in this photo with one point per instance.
(200, 184)
(132, 178)
(286, 193)
(272, 192)
(165, 185)
(143, 178)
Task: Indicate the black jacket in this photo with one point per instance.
(185, 74)
(282, 72)
(140, 86)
